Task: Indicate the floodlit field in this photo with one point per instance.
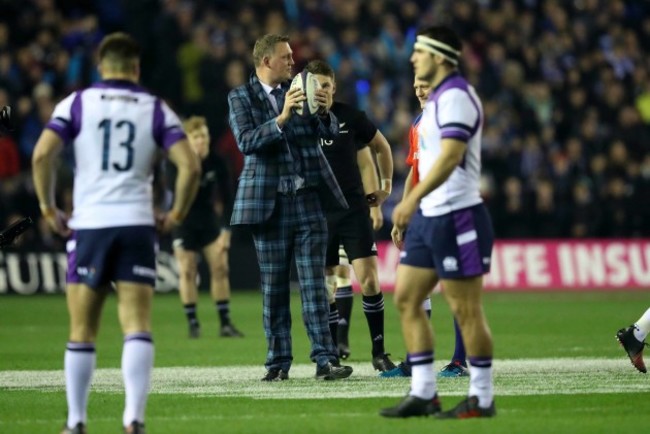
(558, 370)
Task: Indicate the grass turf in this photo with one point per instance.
(525, 326)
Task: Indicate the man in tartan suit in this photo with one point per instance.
(284, 180)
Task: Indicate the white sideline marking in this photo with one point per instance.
(512, 377)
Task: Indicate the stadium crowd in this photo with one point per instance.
(565, 85)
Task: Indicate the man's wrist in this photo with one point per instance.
(47, 211)
(176, 217)
(387, 185)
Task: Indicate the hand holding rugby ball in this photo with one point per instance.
(306, 82)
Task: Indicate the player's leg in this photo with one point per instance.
(358, 240)
(365, 269)
(416, 275)
(331, 262)
(463, 256)
(134, 272)
(413, 284)
(85, 308)
(134, 311)
(85, 295)
(344, 302)
(217, 258)
(464, 298)
(632, 339)
(457, 367)
(187, 290)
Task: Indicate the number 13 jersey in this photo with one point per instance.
(115, 128)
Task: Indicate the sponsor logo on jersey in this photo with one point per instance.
(86, 271)
(450, 263)
(139, 270)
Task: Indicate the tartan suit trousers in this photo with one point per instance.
(297, 227)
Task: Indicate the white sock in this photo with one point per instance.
(137, 364)
(480, 384)
(79, 365)
(426, 304)
(423, 381)
(642, 326)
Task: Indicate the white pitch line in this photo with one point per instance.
(512, 377)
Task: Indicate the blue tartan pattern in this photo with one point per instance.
(252, 120)
(285, 226)
(297, 228)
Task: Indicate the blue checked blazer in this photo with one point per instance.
(252, 120)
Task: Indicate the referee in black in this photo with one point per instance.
(203, 231)
(353, 164)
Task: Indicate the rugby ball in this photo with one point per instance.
(307, 82)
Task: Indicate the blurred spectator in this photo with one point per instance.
(565, 86)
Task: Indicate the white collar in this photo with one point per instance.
(268, 89)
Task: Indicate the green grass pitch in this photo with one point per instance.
(558, 369)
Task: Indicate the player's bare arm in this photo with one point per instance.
(47, 149)
(397, 234)
(187, 182)
(381, 148)
(451, 155)
(371, 186)
(368, 172)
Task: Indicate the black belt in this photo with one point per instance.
(299, 192)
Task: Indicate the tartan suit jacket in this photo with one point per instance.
(252, 120)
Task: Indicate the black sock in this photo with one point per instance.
(428, 312)
(344, 301)
(190, 313)
(334, 322)
(373, 307)
(223, 309)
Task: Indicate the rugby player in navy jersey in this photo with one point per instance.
(351, 157)
(205, 231)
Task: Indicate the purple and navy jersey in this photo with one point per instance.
(454, 111)
(115, 128)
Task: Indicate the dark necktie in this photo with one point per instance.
(294, 154)
(279, 98)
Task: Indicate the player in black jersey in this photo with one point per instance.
(353, 164)
(203, 231)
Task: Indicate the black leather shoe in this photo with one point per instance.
(412, 406)
(275, 374)
(331, 372)
(382, 363)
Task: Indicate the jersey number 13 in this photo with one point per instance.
(126, 130)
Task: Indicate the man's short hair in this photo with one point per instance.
(193, 123)
(265, 46)
(120, 51)
(320, 67)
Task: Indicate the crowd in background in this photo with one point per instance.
(565, 88)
